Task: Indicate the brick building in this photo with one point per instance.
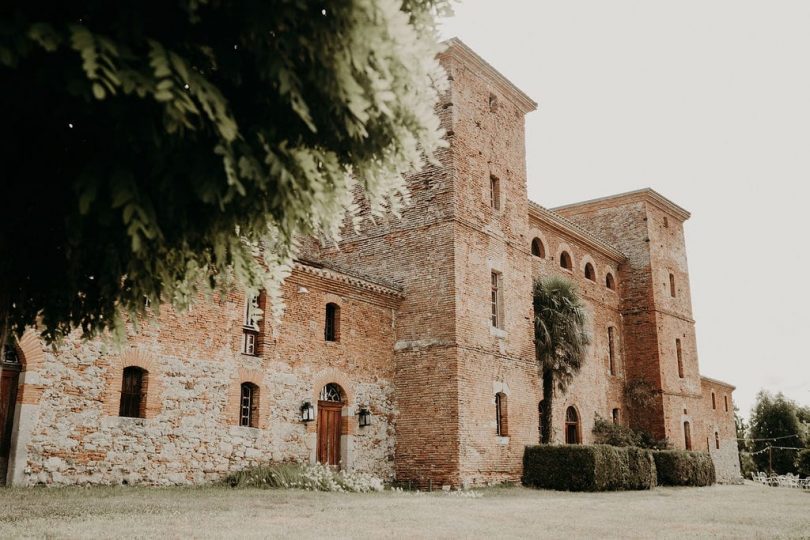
(406, 351)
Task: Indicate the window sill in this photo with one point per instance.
(254, 355)
(503, 441)
(499, 333)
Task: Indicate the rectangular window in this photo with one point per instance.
(331, 328)
(251, 329)
(494, 192)
(611, 351)
(250, 342)
(616, 416)
(725, 403)
(672, 285)
(497, 310)
(679, 354)
(501, 419)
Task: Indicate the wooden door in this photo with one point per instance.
(329, 421)
(8, 399)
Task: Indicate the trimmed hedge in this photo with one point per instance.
(588, 468)
(682, 468)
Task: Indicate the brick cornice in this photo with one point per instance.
(703, 378)
(310, 268)
(647, 195)
(459, 50)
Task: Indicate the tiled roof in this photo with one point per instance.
(321, 270)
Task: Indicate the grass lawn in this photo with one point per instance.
(100, 512)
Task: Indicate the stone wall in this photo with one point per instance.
(190, 433)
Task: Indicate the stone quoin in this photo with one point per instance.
(420, 326)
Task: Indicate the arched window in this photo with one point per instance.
(501, 415)
(331, 329)
(687, 436)
(611, 351)
(331, 392)
(571, 426)
(540, 407)
(590, 273)
(679, 354)
(714, 402)
(610, 283)
(565, 260)
(616, 416)
(717, 440)
(249, 405)
(133, 393)
(538, 250)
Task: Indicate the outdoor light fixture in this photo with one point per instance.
(307, 412)
(364, 417)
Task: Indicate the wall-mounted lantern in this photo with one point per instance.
(364, 417)
(307, 412)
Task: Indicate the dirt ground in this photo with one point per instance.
(747, 511)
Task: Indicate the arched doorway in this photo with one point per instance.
(571, 426)
(9, 381)
(330, 424)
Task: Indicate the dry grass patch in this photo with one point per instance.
(725, 511)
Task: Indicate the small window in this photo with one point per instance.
(672, 285)
(590, 273)
(251, 328)
(616, 416)
(666, 222)
(565, 260)
(249, 405)
(133, 393)
(494, 192)
(538, 250)
(725, 403)
(714, 402)
(679, 354)
(717, 440)
(331, 329)
(571, 426)
(493, 103)
(687, 436)
(610, 282)
(497, 308)
(501, 415)
(611, 350)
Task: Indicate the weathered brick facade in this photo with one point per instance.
(419, 344)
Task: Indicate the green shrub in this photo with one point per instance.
(588, 468)
(682, 468)
(803, 462)
(315, 477)
(607, 432)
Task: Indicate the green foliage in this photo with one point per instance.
(606, 432)
(803, 462)
(683, 468)
(160, 151)
(772, 417)
(640, 393)
(588, 468)
(315, 477)
(560, 338)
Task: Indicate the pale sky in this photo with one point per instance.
(708, 103)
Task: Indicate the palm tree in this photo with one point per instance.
(560, 339)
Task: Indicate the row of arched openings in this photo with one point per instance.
(539, 250)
